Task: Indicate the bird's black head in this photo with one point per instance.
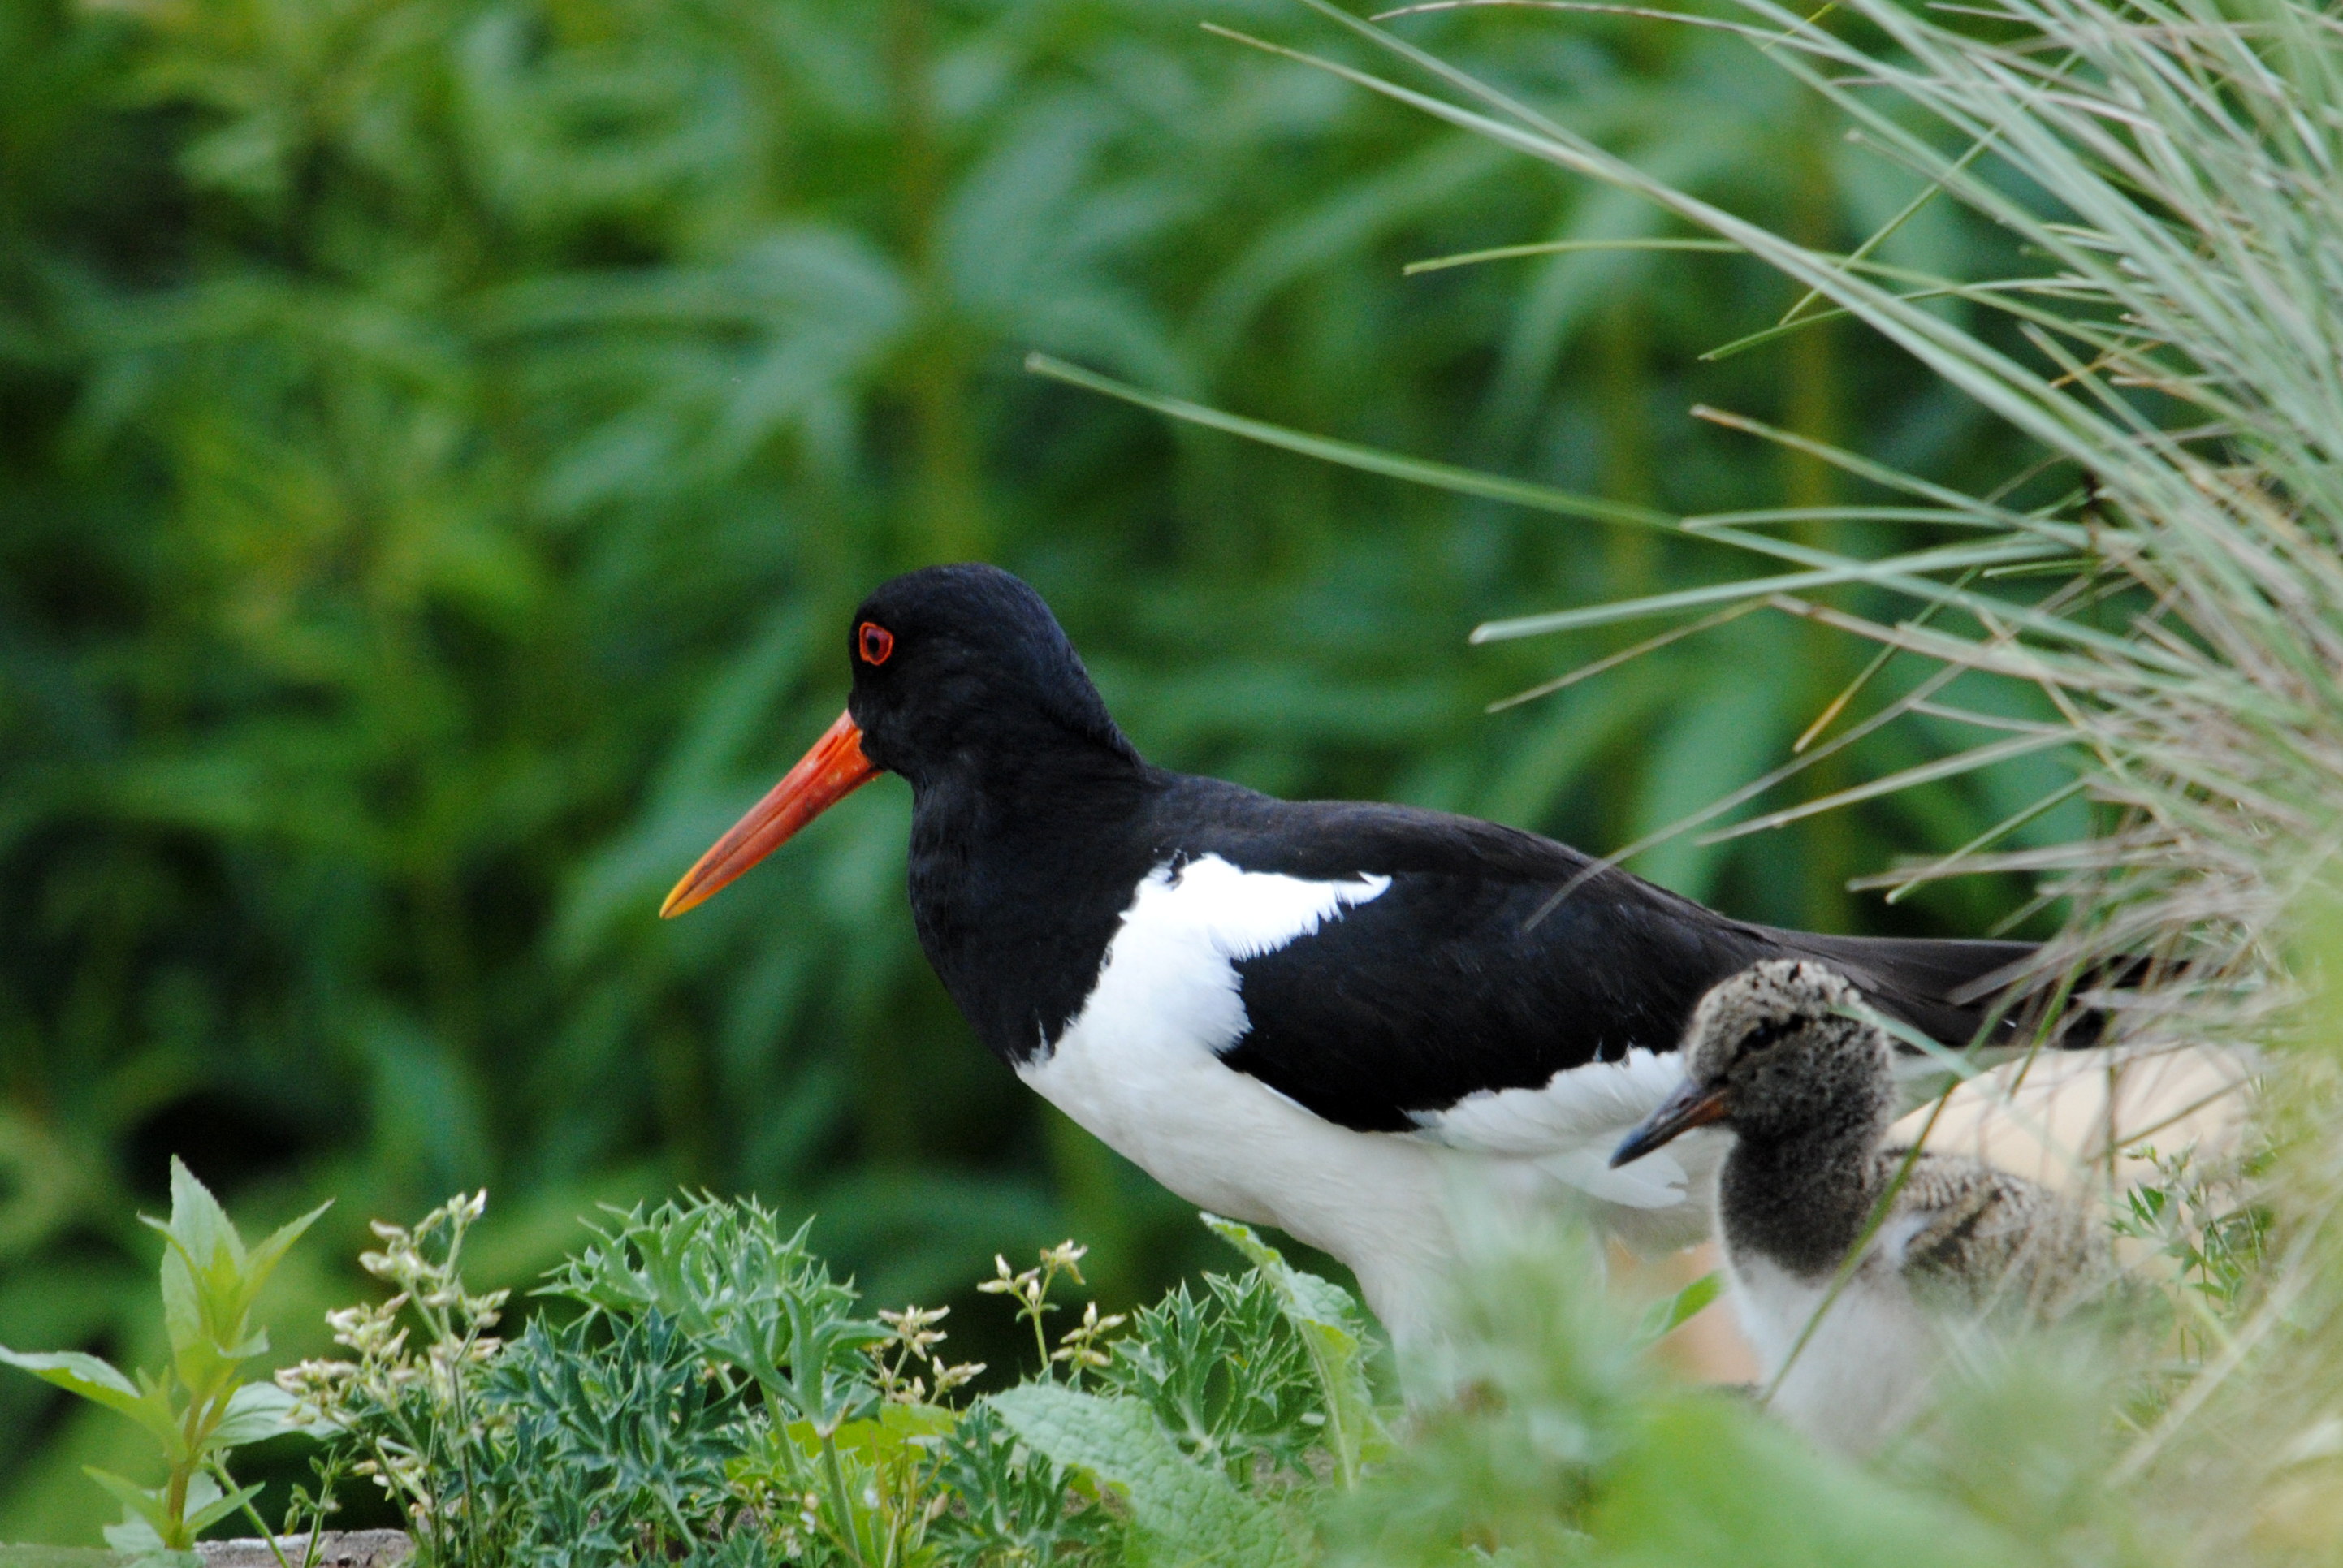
(961, 664)
(1771, 1054)
(958, 667)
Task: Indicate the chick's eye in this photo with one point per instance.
(877, 642)
(1771, 1033)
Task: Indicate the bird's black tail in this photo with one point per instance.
(1955, 991)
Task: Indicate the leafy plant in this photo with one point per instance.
(413, 1415)
(1226, 1376)
(607, 1447)
(2205, 1220)
(199, 1409)
(720, 1388)
(1010, 1504)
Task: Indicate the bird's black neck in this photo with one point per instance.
(1023, 861)
(1800, 1202)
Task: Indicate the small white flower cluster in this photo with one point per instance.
(915, 1338)
(1080, 1346)
(422, 1263)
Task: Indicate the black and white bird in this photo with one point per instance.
(1316, 1015)
(1779, 1057)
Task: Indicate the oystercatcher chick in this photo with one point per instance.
(1808, 1093)
(1316, 1015)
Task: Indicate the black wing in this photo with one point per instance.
(1467, 974)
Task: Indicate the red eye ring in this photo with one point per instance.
(875, 642)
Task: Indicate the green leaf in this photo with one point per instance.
(135, 1540)
(1184, 1513)
(197, 1222)
(218, 1508)
(99, 1382)
(209, 1283)
(143, 1504)
(262, 1261)
(1666, 1317)
(1334, 1332)
(85, 1375)
(256, 1412)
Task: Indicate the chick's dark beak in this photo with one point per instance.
(1692, 1105)
(834, 768)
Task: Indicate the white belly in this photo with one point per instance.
(1863, 1368)
(1229, 1143)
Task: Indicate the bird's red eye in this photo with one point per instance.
(877, 642)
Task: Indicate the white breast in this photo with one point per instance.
(1863, 1368)
(1139, 1067)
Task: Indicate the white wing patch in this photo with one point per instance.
(1568, 1126)
(1173, 960)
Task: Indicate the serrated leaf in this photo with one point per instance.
(210, 1282)
(1333, 1330)
(1184, 1513)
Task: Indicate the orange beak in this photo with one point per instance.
(834, 768)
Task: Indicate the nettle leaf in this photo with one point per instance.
(210, 1281)
(99, 1382)
(1184, 1513)
(1334, 1331)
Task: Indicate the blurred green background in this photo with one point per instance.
(439, 441)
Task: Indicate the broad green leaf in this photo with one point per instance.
(197, 1222)
(87, 1375)
(256, 1412)
(209, 1283)
(1333, 1331)
(1185, 1513)
(99, 1382)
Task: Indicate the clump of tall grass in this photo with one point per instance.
(2168, 572)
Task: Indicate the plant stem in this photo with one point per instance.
(227, 1485)
(840, 1504)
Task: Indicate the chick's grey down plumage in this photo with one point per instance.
(1809, 1093)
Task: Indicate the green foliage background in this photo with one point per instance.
(439, 441)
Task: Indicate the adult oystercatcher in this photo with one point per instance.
(1316, 1015)
(1774, 1057)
